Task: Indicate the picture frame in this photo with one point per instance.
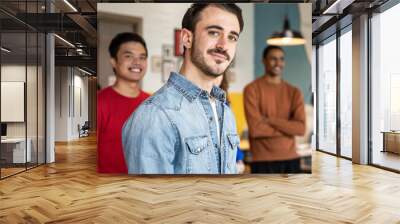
(167, 52)
(167, 67)
(156, 64)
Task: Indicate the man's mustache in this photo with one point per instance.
(220, 51)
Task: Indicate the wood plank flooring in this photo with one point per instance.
(70, 191)
(10, 171)
(388, 159)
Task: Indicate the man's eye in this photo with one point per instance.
(233, 38)
(213, 33)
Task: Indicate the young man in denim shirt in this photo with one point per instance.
(186, 126)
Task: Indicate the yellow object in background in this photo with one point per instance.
(237, 107)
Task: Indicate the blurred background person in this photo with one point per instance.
(128, 54)
(275, 114)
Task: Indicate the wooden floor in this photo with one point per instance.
(10, 171)
(387, 159)
(70, 191)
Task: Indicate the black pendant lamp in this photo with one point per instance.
(287, 37)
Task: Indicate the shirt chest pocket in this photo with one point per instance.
(198, 154)
(231, 150)
(233, 140)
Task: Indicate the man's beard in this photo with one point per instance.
(200, 62)
(273, 74)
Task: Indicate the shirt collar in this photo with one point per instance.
(218, 93)
(191, 91)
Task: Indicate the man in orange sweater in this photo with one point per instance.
(275, 115)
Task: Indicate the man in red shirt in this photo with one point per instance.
(115, 104)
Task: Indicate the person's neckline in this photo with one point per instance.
(267, 79)
(192, 91)
(124, 96)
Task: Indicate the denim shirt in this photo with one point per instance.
(174, 132)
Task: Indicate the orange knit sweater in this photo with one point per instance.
(275, 115)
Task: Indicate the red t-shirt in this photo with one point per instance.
(113, 110)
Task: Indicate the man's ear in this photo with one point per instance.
(113, 62)
(187, 38)
(264, 61)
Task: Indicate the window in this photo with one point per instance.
(327, 96)
(385, 89)
(22, 66)
(346, 93)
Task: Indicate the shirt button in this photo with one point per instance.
(210, 119)
(198, 150)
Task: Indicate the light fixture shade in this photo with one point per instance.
(287, 37)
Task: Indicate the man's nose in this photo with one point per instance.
(136, 60)
(221, 42)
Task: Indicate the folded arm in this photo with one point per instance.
(259, 127)
(296, 125)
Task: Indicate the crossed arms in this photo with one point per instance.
(261, 126)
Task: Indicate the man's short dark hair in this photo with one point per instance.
(192, 15)
(270, 48)
(122, 38)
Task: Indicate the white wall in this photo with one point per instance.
(13, 72)
(68, 80)
(159, 22)
(83, 82)
(306, 27)
(80, 82)
(244, 68)
(61, 103)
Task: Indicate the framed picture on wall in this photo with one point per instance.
(167, 52)
(167, 67)
(156, 64)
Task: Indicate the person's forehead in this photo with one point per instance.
(276, 53)
(132, 46)
(213, 15)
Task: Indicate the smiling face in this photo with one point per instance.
(131, 62)
(214, 41)
(274, 62)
